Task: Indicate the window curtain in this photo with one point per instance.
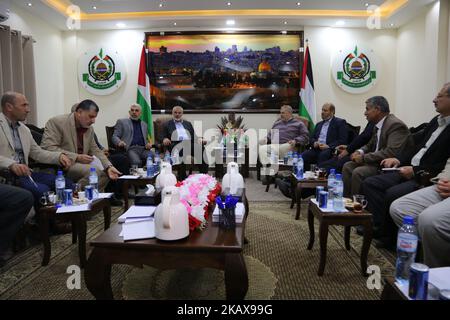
(17, 71)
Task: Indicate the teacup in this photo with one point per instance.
(359, 203)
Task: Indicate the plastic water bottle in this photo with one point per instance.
(294, 163)
(300, 166)
(330, 185)
(60, 185)
(406, 249)
(167, 157)
(93, 182)
(157, 162)
(149, 165)
(338, 191)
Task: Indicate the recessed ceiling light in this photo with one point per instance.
(228, 3)
(284, 32)
(94, 7)
(392, 24)
(161, 5)
(29, 4)
(285, 22)
(121, 25)
(174, 23)
(298, 4)
(366, 4)
(340, 23)
(230, 22)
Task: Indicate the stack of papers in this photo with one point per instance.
(138, 229)
(137, 212)
(239, 212)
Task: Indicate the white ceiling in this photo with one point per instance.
(197, 22)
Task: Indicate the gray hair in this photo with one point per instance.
(9, 97)
(178, 107)
(380, 103)
(74, 107)
(447, 85)
(287, 107)
(136, 105)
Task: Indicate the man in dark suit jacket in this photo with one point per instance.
(388, 138)
(328, 134)
(179, 134)
(344, 151)
(429, 154)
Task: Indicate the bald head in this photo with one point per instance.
(328, 111)
(15, 106)
(177, 113)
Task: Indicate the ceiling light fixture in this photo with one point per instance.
(228, 3)
(161, 5)
(121, 25)
(230, 22)
(366, 4)
(298, 4)
(284, 32)
(94, 7)
(30, 4)
(340, 23)
(392, 24)
(174, 23)
(285, 22)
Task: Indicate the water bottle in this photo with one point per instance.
(60, 185)
(167, 157)
(338, 191)
(300, 165)
(406, 249)
(289, 155)
(156, 163)
(93, 182)
(294, 163)
(330, 185)
(149, 165)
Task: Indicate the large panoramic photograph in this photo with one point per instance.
(221, 72)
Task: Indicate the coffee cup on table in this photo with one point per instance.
(359, 203)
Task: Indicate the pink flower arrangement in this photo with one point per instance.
(197, 192)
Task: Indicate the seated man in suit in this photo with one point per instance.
(179, 137)
(17, 146)
(430, 207)
(131, 135)
(344, 151)
(16, 203)
(328, 134)
(74, 135)
(429, 154)
(389, 136)
(284, 135)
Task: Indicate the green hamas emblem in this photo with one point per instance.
(354, 72)
(102, 72)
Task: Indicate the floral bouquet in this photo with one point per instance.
(197, 192)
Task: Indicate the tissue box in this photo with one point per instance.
(142, 199)
(239, 212)
(239, 193)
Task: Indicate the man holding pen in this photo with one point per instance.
(17, 145)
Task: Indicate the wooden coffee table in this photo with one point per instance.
(344, 219)
(139, 182)
(79, 229)
(211, 248)
(299, 185)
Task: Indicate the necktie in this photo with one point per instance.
(378, 140)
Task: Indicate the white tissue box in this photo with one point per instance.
(239, 212)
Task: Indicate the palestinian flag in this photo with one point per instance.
(307, 97)
(143, 94)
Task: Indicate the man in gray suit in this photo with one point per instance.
(131, 135)
(389, 136)
(430, 207)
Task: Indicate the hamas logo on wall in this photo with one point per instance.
(356, 71)
(101, 72)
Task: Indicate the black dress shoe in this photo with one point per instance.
(385, 243)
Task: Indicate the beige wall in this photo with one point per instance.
(413, 63)
(48, 62)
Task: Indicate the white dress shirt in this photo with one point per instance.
(324, 131)
(443, 123)
(379, 125)
(181, 131)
